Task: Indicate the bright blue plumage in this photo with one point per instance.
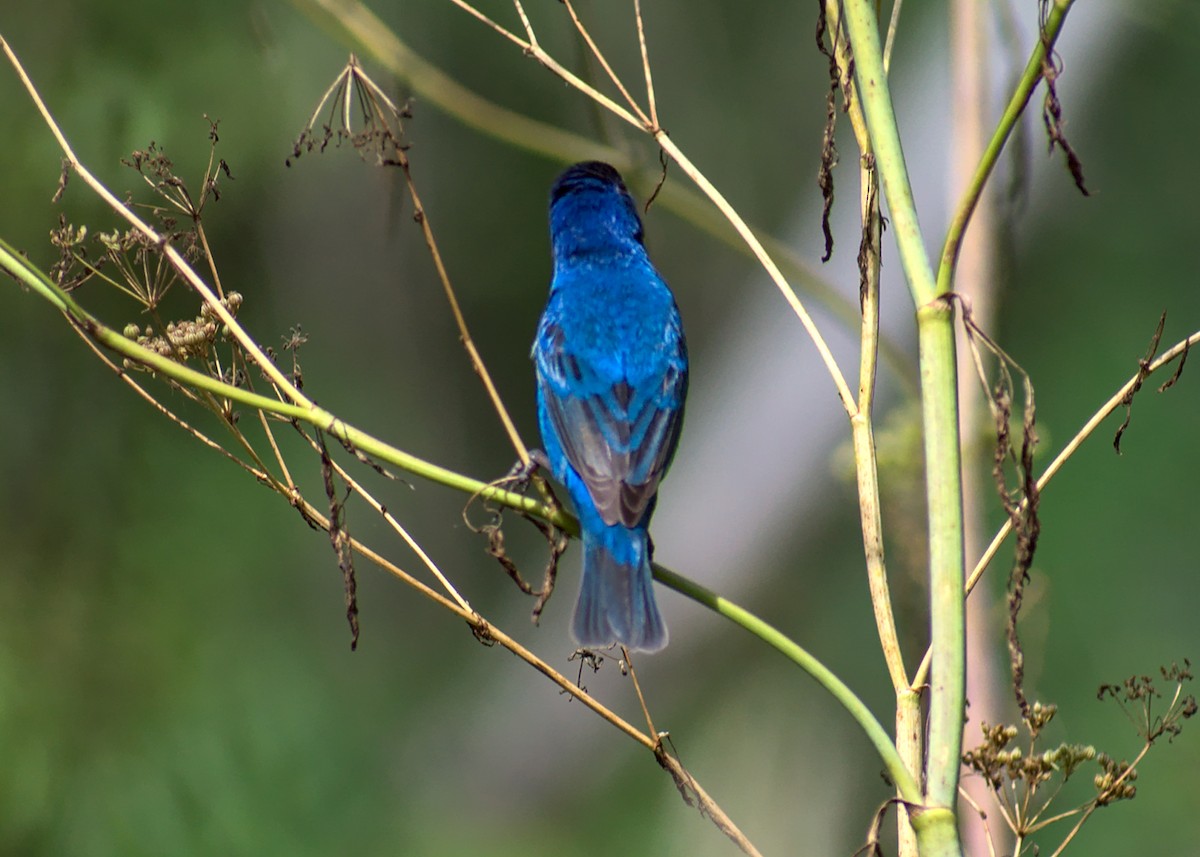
(611, 381)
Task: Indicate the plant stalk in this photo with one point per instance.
(936, 824)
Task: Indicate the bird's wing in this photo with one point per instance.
(617, 435)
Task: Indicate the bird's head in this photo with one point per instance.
(591, 211)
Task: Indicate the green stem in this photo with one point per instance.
(939, 403)
(25, 272)
(906, 785)
(910, 745)
(31, 276)
(1012, 113)
(937, 832)
(943, 477)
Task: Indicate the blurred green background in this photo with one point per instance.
(175, 671)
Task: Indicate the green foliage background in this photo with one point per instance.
(175, 675)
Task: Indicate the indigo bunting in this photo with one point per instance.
(612, 374)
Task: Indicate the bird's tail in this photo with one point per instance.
(616, 598)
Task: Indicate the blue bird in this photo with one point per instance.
(612, 375)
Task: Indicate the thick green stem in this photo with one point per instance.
(943, 477)
(937, 832)
(943, 472)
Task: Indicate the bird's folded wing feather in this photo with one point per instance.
(618, 434)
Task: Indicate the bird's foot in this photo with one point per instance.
(522, 472)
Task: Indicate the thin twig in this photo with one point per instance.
(612, 75)
(459, 319)
(650, 99)
(694, 794)
(427, 561)
(530, 34)
(862, 421)
(890, 42)
(377, 105)
(764, 259)
(637, 687)
(966, 796)
(909, 734)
